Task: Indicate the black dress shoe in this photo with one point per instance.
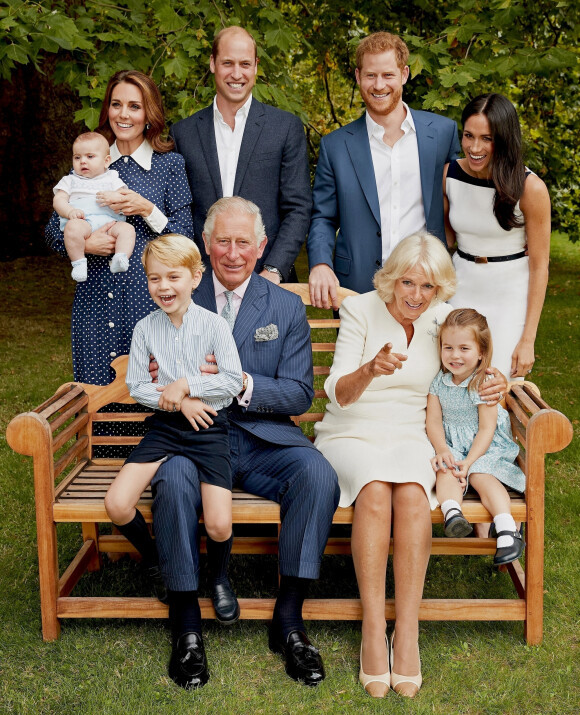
(225, 603)
(303, 661)
(507, 554)
(188, 664)
(158, 583)
(456, 525)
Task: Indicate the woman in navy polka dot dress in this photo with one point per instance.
(107, 306)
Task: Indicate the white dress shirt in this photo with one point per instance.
(220, 301)
(398, 179)
(156, 220)
(228, 143)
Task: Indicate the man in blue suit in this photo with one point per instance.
(270, 455)
(241, 147)
(378, 179)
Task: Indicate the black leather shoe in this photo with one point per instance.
(188, 664)
(158, 583)
(456, 525)
(225, 603)
(507, 554)
(303, 661)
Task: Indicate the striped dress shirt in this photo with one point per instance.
(180, 352)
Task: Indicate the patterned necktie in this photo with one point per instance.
(229, 312)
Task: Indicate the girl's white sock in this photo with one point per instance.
(79, 270)
(449, 504)
(504, 522)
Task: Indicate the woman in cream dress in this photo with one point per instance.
(373, 434)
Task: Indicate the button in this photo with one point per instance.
(379, 234)
(177, 339)
(113, 354)
(378, 264)
(111, 325)
(110, 295)
(125, 159)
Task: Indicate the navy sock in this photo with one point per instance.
(184, 613)
(288, 609)
(218, 557)
(137, 532)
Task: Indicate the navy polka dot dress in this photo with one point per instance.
(107, 306)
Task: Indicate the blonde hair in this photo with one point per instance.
(234, 204)
(93, 137)
(422, 251)
(173, 249)
(467, 318)
(382, 42)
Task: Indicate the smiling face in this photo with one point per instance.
(233, 249)
(90, 157)
(412, 295)
(127, 116)
(460, 353)
(477, 145)
(235, 68)
(381, 81)
(171, 287)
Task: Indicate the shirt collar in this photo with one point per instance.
(448, 380)
(142, 154)
(243, 111)
(376, 130)
(186, 316)
(240, 291)
(88, 178)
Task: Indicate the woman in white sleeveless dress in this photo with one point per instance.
(499, 214)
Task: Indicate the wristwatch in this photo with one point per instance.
(272, 269)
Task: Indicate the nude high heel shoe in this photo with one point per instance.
(397, 680)
(385, 678)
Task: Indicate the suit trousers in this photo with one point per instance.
(298, 478)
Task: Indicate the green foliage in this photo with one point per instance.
(459, 48)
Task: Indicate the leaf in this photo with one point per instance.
(179, 66)
(88, 115)
(17, 53)
(169, 20)
(418, 63)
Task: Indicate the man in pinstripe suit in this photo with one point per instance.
(270, 455)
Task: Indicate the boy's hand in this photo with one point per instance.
(197, 412)
(173, 394)
(76, 213)
(443, 461)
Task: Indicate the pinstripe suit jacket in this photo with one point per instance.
(281, 368)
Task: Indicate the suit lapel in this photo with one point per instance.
(208, 144)
(427, 147)
(252, 131)
(204, 295)
(359, 150)
(253, 305)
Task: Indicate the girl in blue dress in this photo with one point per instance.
(107, 306)
(472, 441)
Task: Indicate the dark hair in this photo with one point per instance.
(477, 323)
(507, 165)
(152, 103)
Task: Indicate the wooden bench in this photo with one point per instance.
(70, 484)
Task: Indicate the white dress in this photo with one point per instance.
(497, 290)
(381, 436)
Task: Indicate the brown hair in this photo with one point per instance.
(382, 42)
(91, 137)
(233, 29)
(152, 103)
(173, 249)
(477, 323)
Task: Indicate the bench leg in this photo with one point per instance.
(48, 580)
(534, 623)
(91, 532)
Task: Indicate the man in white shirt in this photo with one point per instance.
(378, 179)
(239, 146)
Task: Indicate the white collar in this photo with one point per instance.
(240, 291)
(142, 154)
(243, 111)
(373, 128)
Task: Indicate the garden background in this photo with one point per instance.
(55, 60)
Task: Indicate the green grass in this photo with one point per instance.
(120, 666)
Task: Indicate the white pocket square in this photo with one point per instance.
(268, 332)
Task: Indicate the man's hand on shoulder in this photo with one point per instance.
(323, 284)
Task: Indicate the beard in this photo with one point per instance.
(382, 107)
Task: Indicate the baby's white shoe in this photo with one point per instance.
(119, 263)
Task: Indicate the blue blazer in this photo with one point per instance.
(272, 172)
(346, 199)
(281, 368)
